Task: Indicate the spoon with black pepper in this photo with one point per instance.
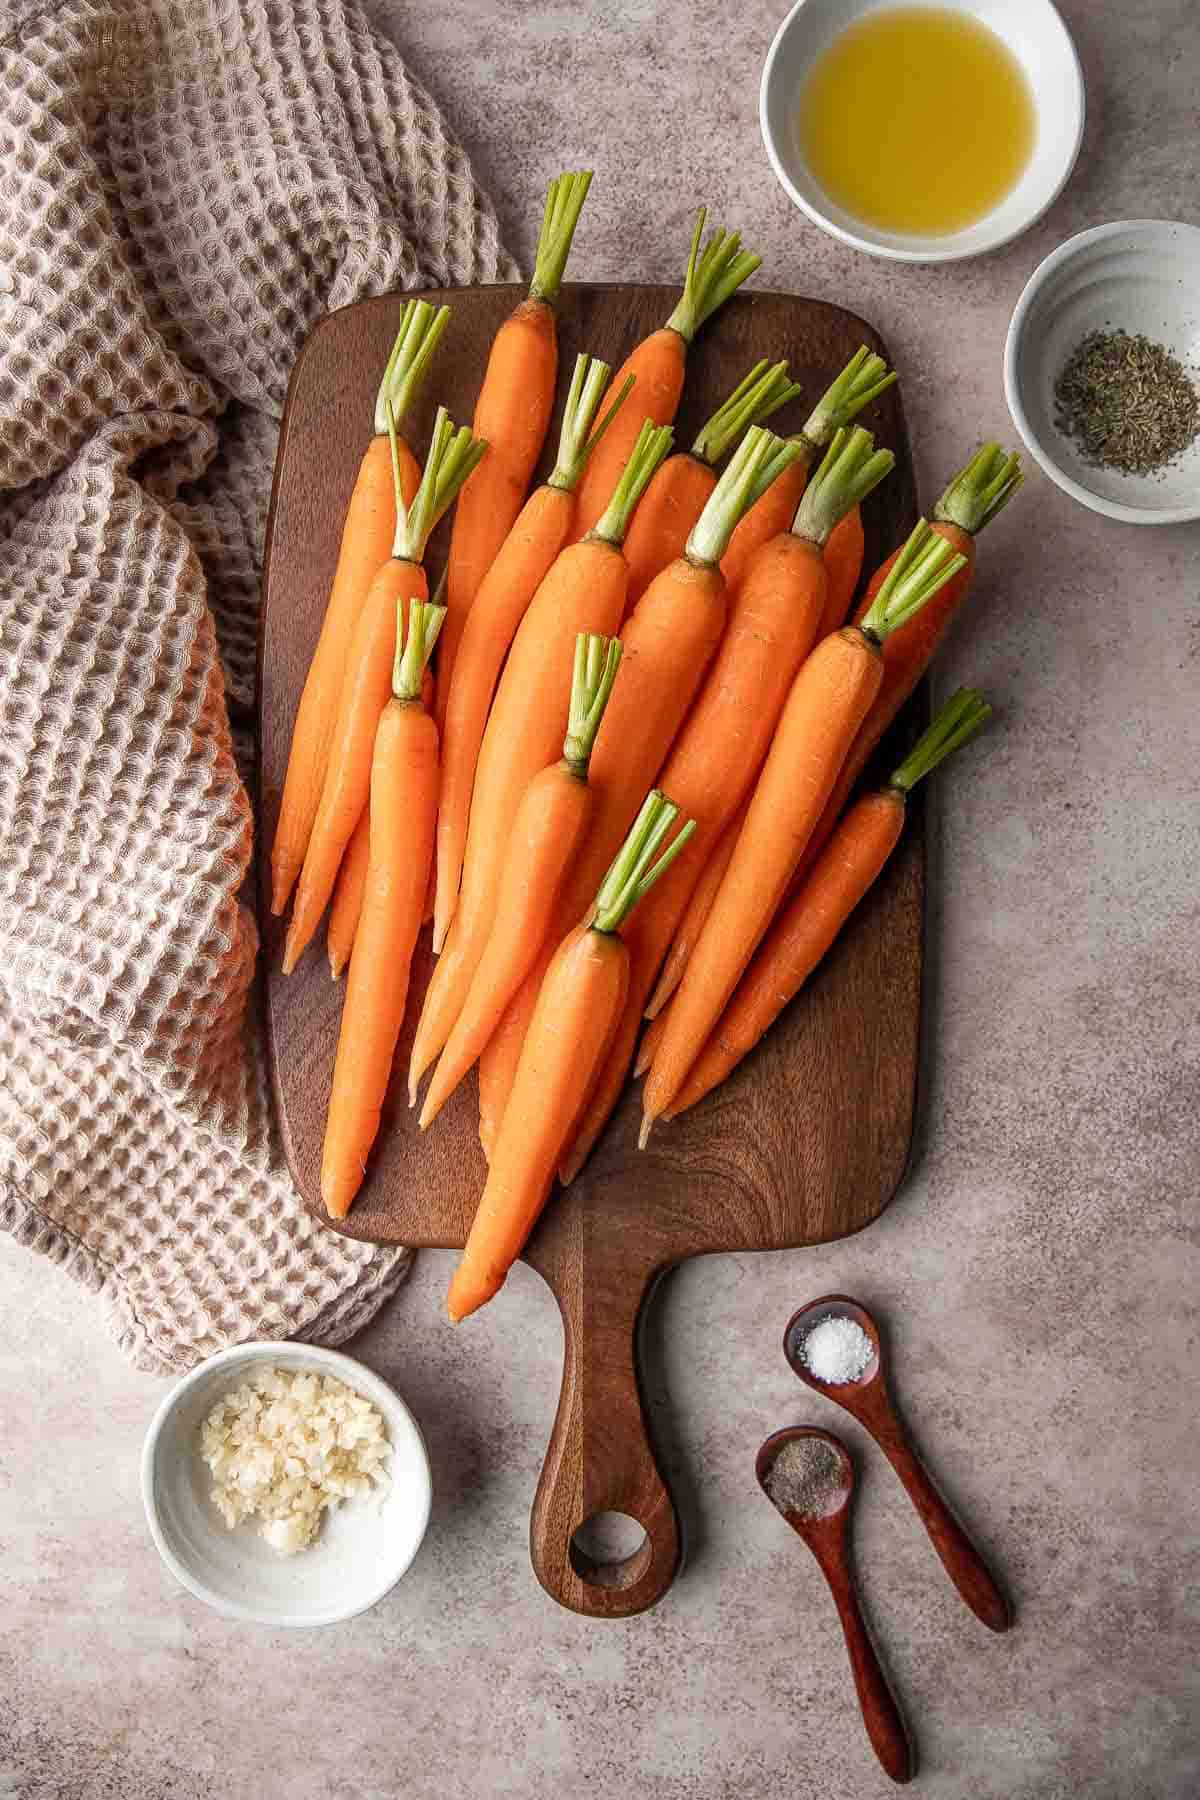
(833, 1345)
(808, 1477)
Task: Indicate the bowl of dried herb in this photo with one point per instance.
(1102, 369)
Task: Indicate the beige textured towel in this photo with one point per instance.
(185, 187)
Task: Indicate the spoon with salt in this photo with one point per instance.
(833, 1345)
(807, 1476)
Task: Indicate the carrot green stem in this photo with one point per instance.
(978, 492)
(964, 714)
(453, 454)
(653, 443)
(415, 650)
(850, 468)
(862, 380)
(756, 462)
(564, 203)
(924, 565)
(631, 875)
(575, 445)
(763, 391)
(713, 274)
(421, 327)
(597, 660)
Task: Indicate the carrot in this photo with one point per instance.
(973, 497)
(847, 867)
(366, 543)
(584, 590)
(828, 701)
(404, 777)
(862, 380)
(545, 837)
(657, 364)
(690, 926)
(683, 486)
(669, 640)
(843, 566)
(366, 682)
(578, 1009)
(528, 552)
(512, 414)
(346, 906)
(720, 750)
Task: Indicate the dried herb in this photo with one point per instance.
(1127, 402)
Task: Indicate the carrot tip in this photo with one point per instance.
(644, 1133)
(645, 1057)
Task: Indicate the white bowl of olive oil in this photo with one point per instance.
(924, 133)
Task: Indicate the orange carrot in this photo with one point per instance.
(404, 778)
(583, 591)
(578, 1009)
(526, 556)
(669, 640)
(829, 699)
(511, 414)
(863, 379)
(683, 486)
(657, 364)
(843, 566)
(366, 683)
(346, 906)
(544, 839)
(974, 496)
(720, 750)
(690, 927)
(847, 867)
(366, 544)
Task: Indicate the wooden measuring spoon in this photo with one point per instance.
(868, 1400)
(826, 1535)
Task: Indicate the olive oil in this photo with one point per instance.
(917, 120)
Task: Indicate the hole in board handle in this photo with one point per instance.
(610, 1550)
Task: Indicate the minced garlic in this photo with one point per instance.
(286, 1445)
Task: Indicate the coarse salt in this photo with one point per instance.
(836, 1351)
(288, 1445)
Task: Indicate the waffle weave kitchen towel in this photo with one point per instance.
(186, 186)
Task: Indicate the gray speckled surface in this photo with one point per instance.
(1038, 1272)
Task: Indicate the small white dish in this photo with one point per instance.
(1041, 43)
(1136, 275)
(364, 1546)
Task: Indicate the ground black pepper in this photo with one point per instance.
(1127, 402)
(805, 1476)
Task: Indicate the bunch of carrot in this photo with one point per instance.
(650, 713)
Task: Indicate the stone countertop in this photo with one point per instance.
(1038, 1272)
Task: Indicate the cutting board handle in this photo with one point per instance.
(599, 1460)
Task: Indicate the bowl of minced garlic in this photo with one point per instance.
(286, 1484)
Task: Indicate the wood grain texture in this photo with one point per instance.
(809, 1138)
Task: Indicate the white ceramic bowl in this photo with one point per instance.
(1037, 37)
(1138, 275)
(364, 1546)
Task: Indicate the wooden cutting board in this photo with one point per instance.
(808, 1140)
